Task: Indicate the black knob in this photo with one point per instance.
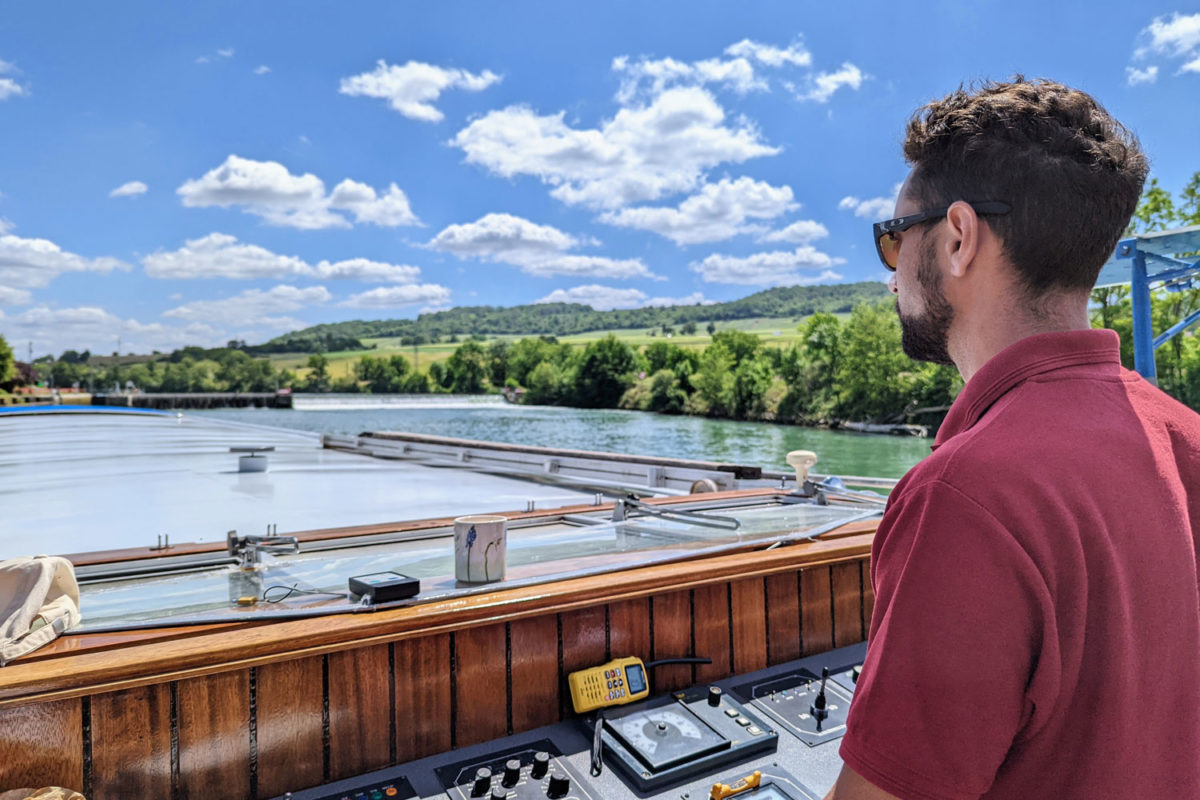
(483, 782)
(541, 764)
(559, 786)
(512, 772)
(714, 695)
(499, 793)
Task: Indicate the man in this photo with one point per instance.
(1036, 631)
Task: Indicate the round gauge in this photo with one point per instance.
(664, 736)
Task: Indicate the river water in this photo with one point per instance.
(490, 419)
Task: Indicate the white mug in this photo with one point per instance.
(480, 548)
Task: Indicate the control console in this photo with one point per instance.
(767, 735)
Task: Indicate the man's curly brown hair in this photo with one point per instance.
(1071, 172)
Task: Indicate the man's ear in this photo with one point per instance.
(963, 242)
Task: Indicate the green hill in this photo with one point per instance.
(562, 319)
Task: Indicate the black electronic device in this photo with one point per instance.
(533, 772)
(384, 587)
(806, 705)
(679, 737)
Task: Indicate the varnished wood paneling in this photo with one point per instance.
(629, 628)
(42, 745)
(748, 602)
(583, 645)
(847, 603)
(481, 685)
(672, 639)
(131, 743)
(816, 611)
(214, 736)
(290, 740)
(783, 617)
(422, 697)
(360, 711)
(711, 634)
(535, 679)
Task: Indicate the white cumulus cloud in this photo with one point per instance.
(428, 294)
(605, 298)
(776, 268)
(33, 263)
(130, 189)
(362, 269)
(537, 249)
(718, 211)
(53, 330)
(641, 154)
(601, 298)
(822, 86)
(253, 308)
(270, 191)
(645, 76)
(800, 232)
(413, 88)
(1176, 37)
(219, 255)
(261, 69)
(875, 208)
(9, 86)
(794, 54)
(14, 297)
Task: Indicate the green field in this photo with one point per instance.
(774, 331)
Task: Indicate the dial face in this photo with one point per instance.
(665, 736)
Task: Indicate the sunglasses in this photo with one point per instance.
(887, 243)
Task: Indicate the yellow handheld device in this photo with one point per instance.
(620, 681)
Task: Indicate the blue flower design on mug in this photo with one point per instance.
(471, 537)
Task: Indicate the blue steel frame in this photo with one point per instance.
(1144, 340)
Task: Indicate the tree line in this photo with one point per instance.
(562, 319)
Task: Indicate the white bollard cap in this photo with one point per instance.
(801, 461)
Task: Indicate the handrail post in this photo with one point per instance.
(1143, 327)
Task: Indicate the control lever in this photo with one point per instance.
(818, 709)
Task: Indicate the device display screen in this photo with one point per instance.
(636, 678)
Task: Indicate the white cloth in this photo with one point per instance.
(39, 599)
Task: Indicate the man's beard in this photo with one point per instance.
(924, 337)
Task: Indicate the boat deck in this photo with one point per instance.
(76, 482)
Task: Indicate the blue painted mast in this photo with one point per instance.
(1155, 258)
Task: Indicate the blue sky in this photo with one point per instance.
(185, 174)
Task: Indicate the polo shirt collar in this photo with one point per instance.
(1022, 360)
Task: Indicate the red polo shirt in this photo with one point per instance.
(1036, 631)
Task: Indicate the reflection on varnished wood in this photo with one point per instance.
(783, 617)
(131, 743)
(748, 603)
(214, 736)
(672, 638)
(289, 721)
(360, 711)
(534, 669)
(422, 711)
(42, 745)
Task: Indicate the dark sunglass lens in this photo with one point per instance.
(889, 246)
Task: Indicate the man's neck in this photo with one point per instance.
(978, 337)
